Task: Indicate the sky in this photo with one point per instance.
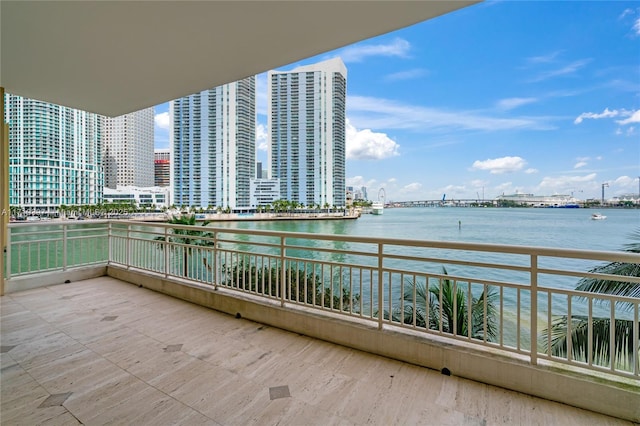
(501, 97)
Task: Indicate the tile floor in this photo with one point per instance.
(103, 351)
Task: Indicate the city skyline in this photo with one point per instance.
(500, 97)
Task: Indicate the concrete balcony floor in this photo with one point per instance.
(102, 351)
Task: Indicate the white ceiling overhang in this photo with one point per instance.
(115, 57)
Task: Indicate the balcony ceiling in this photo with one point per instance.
(117, 57)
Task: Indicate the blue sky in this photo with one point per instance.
(536, 97)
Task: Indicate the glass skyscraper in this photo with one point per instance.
(55, 156)
(213, 146)
(306, 122)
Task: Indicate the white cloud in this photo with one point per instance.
(624, 185)
(531, 171)
(360, 181)
(500, 165)
(625, 13)
(262, 137)
(412, 187)
(625, 182)
(388, 114)
(544, 58)
(511, 103)
(565, 184)
(368, 145)
(571, 68)
(452, 190)
(634, 118)
(407, 75)
(398, 48)
(607, 113)
(636, 26)
(162, 120)
(506, 188)
(580, 164)
(477, 183)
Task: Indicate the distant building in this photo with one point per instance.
(349, 196)
(264, 192)
(162, 167)
(213, 146)
(55, 155)
(150, 197)
(364, 196)
(306, 122)
(128, 149)
(565, 201)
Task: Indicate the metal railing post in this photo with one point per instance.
(167, 257)
(65, 247)
(8, 258)
(109, 242)
(380, 288)
(534, 309)
(283, 276)
(128, 246)
(215, 260)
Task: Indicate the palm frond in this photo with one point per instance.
(600, 346)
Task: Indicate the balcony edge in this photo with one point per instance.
(551, 381)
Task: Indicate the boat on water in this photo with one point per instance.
(598, 216)
(377, 208)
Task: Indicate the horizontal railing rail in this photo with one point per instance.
(51, 245)
(512, 298)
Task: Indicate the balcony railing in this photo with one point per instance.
(513, 299)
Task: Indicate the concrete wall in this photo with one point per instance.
(31, 281)
(617, 398)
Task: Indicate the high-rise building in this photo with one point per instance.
(55, 156)
(306, 122)
(213, 146)
(259, 170)
(162, 168)
(264, 192)
(128, 149)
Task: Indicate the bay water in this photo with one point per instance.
(544, 227)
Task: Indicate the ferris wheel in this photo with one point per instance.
(381, 195)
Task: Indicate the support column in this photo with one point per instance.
(4, 190)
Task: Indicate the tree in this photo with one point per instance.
(451, 311)
(187, 237)
(600, 342)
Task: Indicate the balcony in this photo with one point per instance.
(303, 344)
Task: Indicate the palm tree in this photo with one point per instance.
(188, 237)
(623, 329)
(451, 311)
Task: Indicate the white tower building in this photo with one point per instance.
(306, 122)
(213, 147)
